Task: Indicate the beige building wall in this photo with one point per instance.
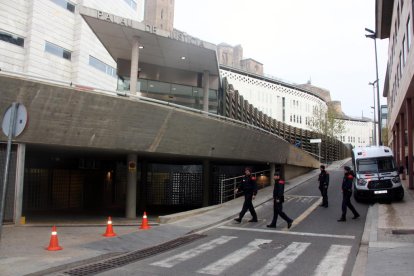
(252, 66)
(160, 13)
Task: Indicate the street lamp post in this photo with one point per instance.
(373, 36)
(374, 136)
(375, 129)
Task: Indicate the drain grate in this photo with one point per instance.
(131, 257)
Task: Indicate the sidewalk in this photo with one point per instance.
(387, 245)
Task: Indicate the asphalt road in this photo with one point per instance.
(315, 245)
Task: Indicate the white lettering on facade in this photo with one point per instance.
(114, 19)
(177, 35)
(151, 29)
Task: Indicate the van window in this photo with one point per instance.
(385, 164)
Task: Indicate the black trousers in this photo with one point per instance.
(248, 205)
(324, 193)
(346, 203)
(278, 211)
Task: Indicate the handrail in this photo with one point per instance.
(231, 187)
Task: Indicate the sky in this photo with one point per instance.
(297, 41)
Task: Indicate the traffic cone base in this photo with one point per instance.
(144, 224)
(54, 242)
(109, 229)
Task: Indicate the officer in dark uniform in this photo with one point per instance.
(278, 199)
(249, 187)
(347, 193)
(323, 185)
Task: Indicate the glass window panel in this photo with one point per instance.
(102, 66)
(212, 94)
(159, 87)
(65, 4)
(181, 90)
(143, 85)
(11, 38)
(57, 50)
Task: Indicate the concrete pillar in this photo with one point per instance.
(206, 89)
(402, 139)
(21, 155)
(206, 182)
(131, 191)
(272, 172)
(409, 111)
(397, 152)
(134, 66)
(394, 144)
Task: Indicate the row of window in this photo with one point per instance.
(60, 52)
(66, 54)
(351, 139)
(402, 57)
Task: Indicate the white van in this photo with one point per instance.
(376, 174)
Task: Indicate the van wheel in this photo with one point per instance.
(400, 195)
(357, 198)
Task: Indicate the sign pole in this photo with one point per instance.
(317, 141)
(6, 168)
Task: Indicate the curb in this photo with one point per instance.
(370, 233)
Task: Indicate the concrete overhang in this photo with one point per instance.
(160, 47)
(383, 17)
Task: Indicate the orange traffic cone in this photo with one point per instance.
(54, 243)
(144, 224)
(109, 230)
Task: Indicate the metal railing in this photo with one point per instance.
(228, 186)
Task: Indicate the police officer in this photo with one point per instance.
(347, 193)
(249, 187)
(278, 199)
(323, 185)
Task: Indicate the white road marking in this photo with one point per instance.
(218, 267)
(172, 261)
(334, 261)
(307, 212)
(276, 265)
(288, 232)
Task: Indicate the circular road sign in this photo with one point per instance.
(20, 123)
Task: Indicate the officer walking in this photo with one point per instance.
(323, 186)
(347, 193)
(249, 187)
(278, 199)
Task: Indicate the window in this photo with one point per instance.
(404, 51)
(65, 4)
(57, 50)
(398, 16)
(409, 31)
(102, 66)
(132, 4)
(11, 38)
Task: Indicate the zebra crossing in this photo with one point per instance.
(332, 263)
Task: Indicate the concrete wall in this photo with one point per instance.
(290, 171)
(83, 119)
